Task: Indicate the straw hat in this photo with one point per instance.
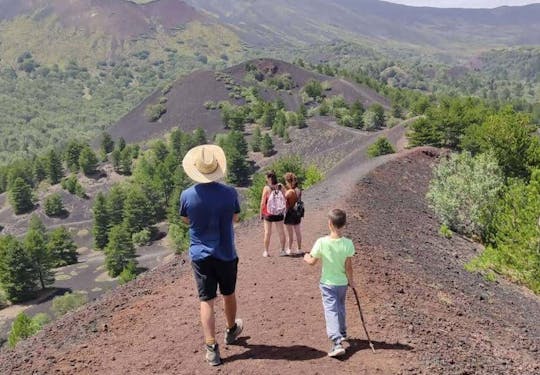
(205, 163)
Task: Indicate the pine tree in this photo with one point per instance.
(287, 138)
(17, 271)
(54, 167)
(137, 210)
(35, 244)
(88, 161)
(121, 144)
(235, 147)
(115, 205)
(257, 139)
(107, 144)
(119, 251)
(71, 155)
(199, 137)
(38, 170)
(101, 221)
(116, 156)
(61, 247)
(267, 146)
(20, 197)
(126, 161)
(53, 205)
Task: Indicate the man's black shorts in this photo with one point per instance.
(211, 272)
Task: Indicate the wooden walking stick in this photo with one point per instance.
(362, 318)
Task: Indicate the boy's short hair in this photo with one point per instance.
(338, 218)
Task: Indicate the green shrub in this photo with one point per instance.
(210, 105)
(179, 236)
(142, 238)
(381, 147)
(463, 191)
(514, 235)
(445, 231)
(153, 112)
(128, 273)
(313, 176)
(314, 89)
(72, 185)
(21, 328)
(69, 301)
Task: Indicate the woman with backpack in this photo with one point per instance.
(273, 208)
(294, 213)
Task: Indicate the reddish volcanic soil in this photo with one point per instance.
(425, 313)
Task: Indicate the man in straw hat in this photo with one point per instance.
(210, 208)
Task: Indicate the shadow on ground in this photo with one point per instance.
(356, 345)
(288, 353)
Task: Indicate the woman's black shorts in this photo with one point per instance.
(292, 217)
(273, 218)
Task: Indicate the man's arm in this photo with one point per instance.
(349, 272)
(235, 218)
(185, 219)
(310, 260)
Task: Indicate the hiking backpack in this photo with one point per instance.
(276, 204)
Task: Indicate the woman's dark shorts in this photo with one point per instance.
(292, 217)
(273, 218)
(211, 272)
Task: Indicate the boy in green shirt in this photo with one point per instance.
(335, 252)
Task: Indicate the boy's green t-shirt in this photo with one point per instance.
(333, 253)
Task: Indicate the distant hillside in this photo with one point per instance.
(186, 99)
(309, 21)
(91, 31)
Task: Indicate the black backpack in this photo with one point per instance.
(299, 206)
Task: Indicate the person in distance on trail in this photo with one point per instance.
(293, 216)
(272, 210)
(335, 252)
(210, 208)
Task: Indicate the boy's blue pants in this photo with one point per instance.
(333, 298)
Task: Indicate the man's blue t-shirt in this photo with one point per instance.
(210, 209)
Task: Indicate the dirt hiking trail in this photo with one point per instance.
(424, 312)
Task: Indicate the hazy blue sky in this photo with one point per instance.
(464, 3)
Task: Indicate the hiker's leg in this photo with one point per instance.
(329, 299)
(227, 285)
(341, 294)
(267, 234)
(208, 321)
(281, 232)
(206, 280)
(229, 305)
(290, 234)
(298, 231)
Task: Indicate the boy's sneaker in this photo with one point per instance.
(336, 351)
(212, 355)
(288, 251)
(233, 333)
(283, 253)
(265, 254)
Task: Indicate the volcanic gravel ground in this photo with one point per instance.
(425, 313)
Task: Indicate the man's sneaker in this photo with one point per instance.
(234, 332)
(336, 351)
(283, 253)
(265, 254)
(288, 251)
(212, 355)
